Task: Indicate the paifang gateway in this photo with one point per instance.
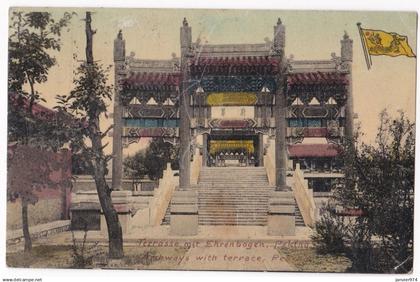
(254, 117)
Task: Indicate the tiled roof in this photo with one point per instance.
(38, 111)
(313, 78)
(152, 81)
(234, 65)
(313, 150)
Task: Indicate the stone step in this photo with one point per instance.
(233, 194)
(238, 186)
(231, 209)
(221, 175)
(250, 185)
(233, 203)
(205, 210)
(237, 196)
(231, 188)
(233, 223)
(234, 191)
(232, 181)
(232, 213)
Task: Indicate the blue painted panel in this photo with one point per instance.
(314, 123)
(303, 122)
(151, 123)
(170, 123)
(134, 122)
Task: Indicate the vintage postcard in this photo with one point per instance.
(188, 139)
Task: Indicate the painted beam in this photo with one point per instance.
(150, 132)
(300, 111)
(151, 122)
(232, 123)
(150, 111)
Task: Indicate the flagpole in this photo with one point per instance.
(365, 51)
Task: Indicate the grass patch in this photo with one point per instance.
(42, 257)
(61, 257)
(308, 260)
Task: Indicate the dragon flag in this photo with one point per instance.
(379, 42)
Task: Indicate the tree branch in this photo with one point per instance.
(106, 131)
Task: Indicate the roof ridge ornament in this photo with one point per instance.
(120, 35)
(279, 21)
(185, 22)
(346, 35)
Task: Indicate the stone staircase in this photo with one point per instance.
(298, 217)
(233, 196)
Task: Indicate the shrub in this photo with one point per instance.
(331, 233)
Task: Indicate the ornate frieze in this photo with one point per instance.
(135, 132)
(160, 96)
(321, 93)
(246, 83)
(231, 145)
(313, 111)
(150, 111)
(232, 123)
(249, 65)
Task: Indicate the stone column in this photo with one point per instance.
(260, 149)
(117, 148)
(281, 209)
(184, 204)
(281, 145)
(346, 61)
(205, 152)
(184, 111)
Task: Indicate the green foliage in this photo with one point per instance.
(380, 182)
(85, 104)
(152, 161)
(32, 37)
(135, 166)
(331, 233)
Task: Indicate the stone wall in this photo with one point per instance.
(53, 204)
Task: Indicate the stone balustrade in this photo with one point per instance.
(304, 197)
(269, 163)
(38, 231)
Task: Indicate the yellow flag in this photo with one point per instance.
(392, 44)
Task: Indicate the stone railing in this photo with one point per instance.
(304, 197)
(196, 165)
(153, 214)
(38, 231)
(135, 208)
(270, 163)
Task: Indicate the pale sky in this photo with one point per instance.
(154, 34)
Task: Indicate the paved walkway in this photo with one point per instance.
(227, 255)
(214, 248)
(219, 232)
